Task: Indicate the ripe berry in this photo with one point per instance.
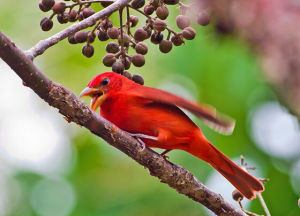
(59, 7)
(63, 18)
(138, 79)
(102, 35)
(46, 24)
(43, 7)
(159, 25)
(72, 40)
(88, 50)
(134, 20)
(81, 36)
(48, 3)
(137, 3)
(182, 21)
(138, 60)
(149, 9)
(108, 60)
(177, 40)
(165, 46)
(162, 12)
(203, 18)
(112, 47)
(155, 3)
(118, 67)
(156, 38)
(189, 33)
(113, 32)
(86, 12)
(72, 15)
(107, 23)
(140, 34)
(126, 74)
(171, 2)
(237, 196)
(141, 48)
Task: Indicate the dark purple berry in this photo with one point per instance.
(109, 59)
(88, 50)
(102, 35)
(138, 79)
(138, 60)
(118, 67)
(162, 12)
(81, 36)
(141, 48)
(59, 7)
(112, 47)
(203, 18)
(156, 38)
(46, 24)
(182, 21)
(189, 33)
(165, 46)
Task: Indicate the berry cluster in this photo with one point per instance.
(123, 37)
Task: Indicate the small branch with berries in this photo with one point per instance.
(118, 57)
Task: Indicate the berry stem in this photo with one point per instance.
(121, 32)
(128, 20)
(88, 2)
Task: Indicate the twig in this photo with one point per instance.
(73, 108)
(249, 213)
(263, 204)
(43, 45)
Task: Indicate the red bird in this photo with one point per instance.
(154, 116)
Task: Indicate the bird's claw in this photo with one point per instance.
(163, 154)
(143, 144)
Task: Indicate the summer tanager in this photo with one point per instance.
(154, 117)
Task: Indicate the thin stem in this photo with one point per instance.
(121, 32)
(262, 202)
(128, 20)
(43, 45)
(249, 213)
(88, 2)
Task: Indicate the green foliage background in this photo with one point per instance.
(107, 182)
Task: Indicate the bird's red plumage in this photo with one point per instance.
(139, 109)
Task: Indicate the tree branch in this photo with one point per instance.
(43, 45)
(70, 106)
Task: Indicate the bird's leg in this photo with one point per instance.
(139, 136)
(164, 154)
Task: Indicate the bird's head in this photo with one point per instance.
(103, 85)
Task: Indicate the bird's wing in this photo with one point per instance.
(220, 123)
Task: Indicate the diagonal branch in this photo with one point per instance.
(70, 106)
(43, 45)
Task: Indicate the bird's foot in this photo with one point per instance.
(166, 157)
(143, 144)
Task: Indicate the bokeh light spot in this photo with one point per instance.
(53, 197)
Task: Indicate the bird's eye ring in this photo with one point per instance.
(105, 81)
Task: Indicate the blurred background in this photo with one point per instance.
(50, 167)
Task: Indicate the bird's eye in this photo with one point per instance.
(105, 81)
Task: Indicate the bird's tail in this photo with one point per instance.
(247, 184)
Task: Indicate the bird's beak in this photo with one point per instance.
(97, 96)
